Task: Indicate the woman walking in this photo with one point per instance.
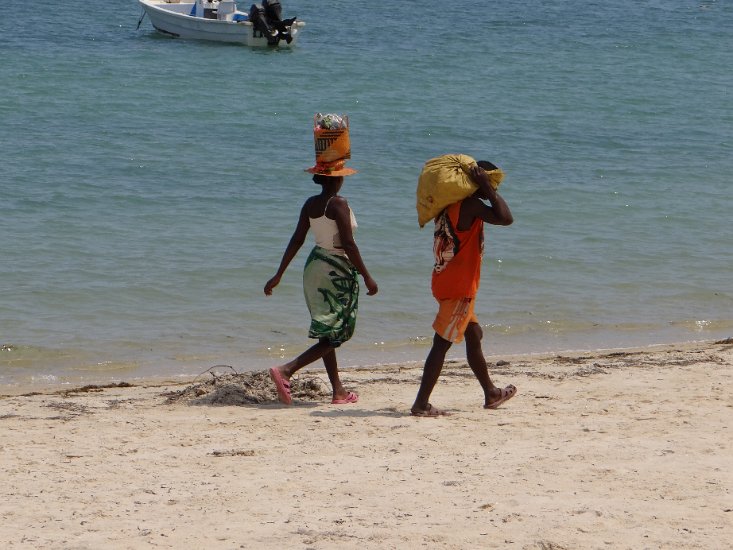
(330, 277)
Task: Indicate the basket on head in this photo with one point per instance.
(332, 144)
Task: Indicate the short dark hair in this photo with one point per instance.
(486, 165)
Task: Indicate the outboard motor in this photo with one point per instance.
(273, 14)
(257, 16)
(273, 10)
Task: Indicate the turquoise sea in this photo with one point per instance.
(149, 185)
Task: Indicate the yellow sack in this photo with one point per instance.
(445, 180)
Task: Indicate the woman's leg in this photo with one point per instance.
(431, 373)
(477, 362)
(313, 353)
(331, 364)
(475, 357)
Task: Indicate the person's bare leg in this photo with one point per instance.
(331, 364)
(430, 375)
(313, 353)
(493, 396)
(477, 362)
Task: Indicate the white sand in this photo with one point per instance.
(598, 450)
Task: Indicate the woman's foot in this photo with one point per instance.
(282, 385)
(500, 396)
(344, 398)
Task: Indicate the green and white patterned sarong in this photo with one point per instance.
(331, 288)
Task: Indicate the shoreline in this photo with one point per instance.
(25, 366)
(44, 387)
(616, 449)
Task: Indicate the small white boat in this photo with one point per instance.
(219, 21)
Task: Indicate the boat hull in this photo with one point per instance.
(173, 19)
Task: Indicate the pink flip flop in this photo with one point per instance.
(282, 385)
(351, 397)
(506, 394)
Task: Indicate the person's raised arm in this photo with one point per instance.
(340, 210)
(296, 241)
(498, 213)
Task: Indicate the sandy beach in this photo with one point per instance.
(610, 449)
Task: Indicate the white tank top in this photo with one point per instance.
(326, 232)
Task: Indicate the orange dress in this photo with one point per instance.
(458, 254)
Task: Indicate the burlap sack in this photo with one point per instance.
(443, 181)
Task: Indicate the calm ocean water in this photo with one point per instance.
(149, 185)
